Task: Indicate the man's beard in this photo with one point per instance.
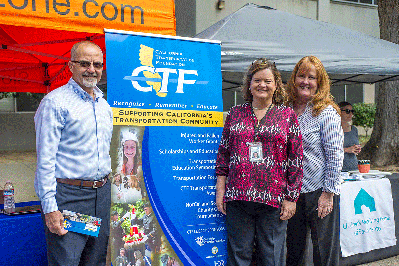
(90, 82)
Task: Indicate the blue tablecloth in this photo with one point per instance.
(22, 239)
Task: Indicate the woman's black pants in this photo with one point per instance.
(249, 224)
(324, 232)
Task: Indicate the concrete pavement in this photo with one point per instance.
(19, 167)
(394, 261)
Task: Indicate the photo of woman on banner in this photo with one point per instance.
(259, 169)
(128, 181)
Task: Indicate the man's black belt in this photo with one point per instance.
(84, 183)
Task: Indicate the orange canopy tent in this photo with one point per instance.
(37, 35)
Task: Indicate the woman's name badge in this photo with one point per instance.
(255, 151)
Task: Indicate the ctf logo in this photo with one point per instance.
(158, 79)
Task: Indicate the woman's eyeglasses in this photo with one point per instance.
(86, 64)
(348, 111)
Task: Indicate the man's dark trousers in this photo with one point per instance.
(75, 249)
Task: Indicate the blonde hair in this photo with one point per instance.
(323, 97)
(279, 95)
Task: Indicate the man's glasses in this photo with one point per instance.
(347, 111)
(87, 64)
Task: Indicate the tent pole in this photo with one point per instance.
(36, 53)
(95, 37)
(19, 79)
(58, 73)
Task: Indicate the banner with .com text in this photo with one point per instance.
(166, 96)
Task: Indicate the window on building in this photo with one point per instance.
(349, 93)
(339, 93)
(28, 102)
(7, 104)
(22, 102)
(368, 2)
(228, 99)
(231, 98)
(354, 93)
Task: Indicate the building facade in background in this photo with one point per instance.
(194, 16)
(359, 15)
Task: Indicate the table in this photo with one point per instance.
(383, 253)
(373, 255)
(22, 239)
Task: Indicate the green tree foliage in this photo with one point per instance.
(364, 115)
(7, 94)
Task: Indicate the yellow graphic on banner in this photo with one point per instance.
(146, 55)
(161, 117)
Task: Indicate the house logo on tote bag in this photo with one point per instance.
(364, 199)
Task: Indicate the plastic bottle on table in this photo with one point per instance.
(8, 193)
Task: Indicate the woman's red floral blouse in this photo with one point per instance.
(278, 175)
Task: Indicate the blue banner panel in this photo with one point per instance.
(149, 72)
(166, 95)
(181, 185)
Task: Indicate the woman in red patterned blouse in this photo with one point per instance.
(259, 169)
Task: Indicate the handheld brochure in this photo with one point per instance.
(81, 223)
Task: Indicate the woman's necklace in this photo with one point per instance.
(262, 109)
(259, 116)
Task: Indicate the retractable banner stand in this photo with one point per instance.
(166, 96)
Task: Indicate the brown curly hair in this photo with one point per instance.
(323, 97)
(279, 95)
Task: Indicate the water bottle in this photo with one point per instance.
(8, 193)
